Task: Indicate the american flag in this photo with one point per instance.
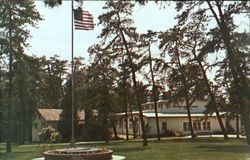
(83, 20)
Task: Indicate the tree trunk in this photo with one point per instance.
(154, 95)
(114, 129)
(126, 110)
(188, 105)
(189, 118)
(9, 124)
(239, 79)
(126, 124)
(237, 126)
(10, 86)
(21, 118)
(133, 123)
(106, 129)
(30, 124)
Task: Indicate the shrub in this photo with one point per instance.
(168, 133)
(49, 135)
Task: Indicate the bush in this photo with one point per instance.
(49, 135)
(168, 133)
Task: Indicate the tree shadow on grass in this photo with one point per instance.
(207, 139)
(2, 148)
(130, 149)
(224, 148)
(100, 145)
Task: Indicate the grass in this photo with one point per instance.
(171, 149)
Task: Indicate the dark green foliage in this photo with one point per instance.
(52, 78)
(121, 43)
(52, 3)
(15, 16)
(49, 135)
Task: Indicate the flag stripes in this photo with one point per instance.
(83, 20)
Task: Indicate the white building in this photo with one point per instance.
(174, 118)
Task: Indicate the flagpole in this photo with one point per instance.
(72, 144)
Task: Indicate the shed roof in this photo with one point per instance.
(50, 114)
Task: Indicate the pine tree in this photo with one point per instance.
(118, 26)
(222, 40)
(189, 36)
(146, 41)
(15, 16)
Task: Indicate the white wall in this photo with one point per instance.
(35, 131)
(175, 124)
(40, 122)
(122, 130)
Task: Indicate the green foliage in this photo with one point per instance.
(15, 16)
(52, 3)
(168, 133)
(49, 135)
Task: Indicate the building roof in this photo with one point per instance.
(50, 114)
(54, 114)
(175, 112)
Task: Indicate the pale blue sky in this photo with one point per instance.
(53, 35)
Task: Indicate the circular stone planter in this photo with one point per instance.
(80, 154)
(114, 157)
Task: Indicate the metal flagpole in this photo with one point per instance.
(72, 144)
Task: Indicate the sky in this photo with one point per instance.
(53, 34)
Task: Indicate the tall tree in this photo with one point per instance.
(15, 17)
(54, 73)
(223, 38)
(191, 35)
(102, 76)
(122, 90)
(118, 26)
(66, 116)
(147, 40)
(183, 84)
(224, 77)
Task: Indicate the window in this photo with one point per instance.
(197, 126)
(186, 126)
(206, 126)
(35, 125)
(164, 126)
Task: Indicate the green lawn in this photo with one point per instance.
(180, 149)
